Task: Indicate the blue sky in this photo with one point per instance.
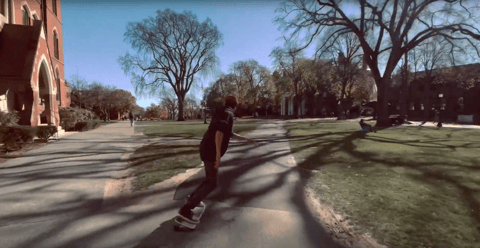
(93, 34)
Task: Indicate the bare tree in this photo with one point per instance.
(154, 111)
(252, 78)
(169, 102)
(286, 60)
(79, 86)
(122, 101)
(101, 99)
(227, 85)
(345, 53)
(381, 27)
(176, 48)
(431, 56)
(138, 111)
(191, 107)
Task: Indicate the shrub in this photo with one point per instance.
(86, 125)
(13, 138)
(9, 119)
(69, 117)
(355, 111)
(84, 114)
(45, 132)
(81, 126)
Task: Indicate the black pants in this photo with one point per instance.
(205, 188)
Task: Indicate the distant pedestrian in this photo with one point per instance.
(213, 146)
(436, 117)
(130, 116)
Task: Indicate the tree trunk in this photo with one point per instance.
(295, 106)
(403, 105)
(320, 105)
(427, 107)
(403, 97)
(382, 104)
(180, 108)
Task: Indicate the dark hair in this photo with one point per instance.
(230, 101)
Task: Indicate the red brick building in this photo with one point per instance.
(32, 79)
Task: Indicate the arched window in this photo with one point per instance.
(57, 74)
(3, 7)
(25, 16)
(54, 6)
(55, 45)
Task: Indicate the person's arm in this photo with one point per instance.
(218, 147)
(250, 141)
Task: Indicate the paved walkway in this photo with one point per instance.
(58, 196)
(64, 195)
(48, 189)
(259, 202)
(450, 125)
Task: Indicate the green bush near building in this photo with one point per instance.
(69, 117)
(9, 119)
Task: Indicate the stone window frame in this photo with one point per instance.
(54, 7)
(56, 49)
(26, 19)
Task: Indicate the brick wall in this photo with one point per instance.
(52, 25)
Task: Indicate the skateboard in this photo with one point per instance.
(183, 224)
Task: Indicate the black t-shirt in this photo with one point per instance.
(222, 121)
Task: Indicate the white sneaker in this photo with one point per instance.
(200, 205)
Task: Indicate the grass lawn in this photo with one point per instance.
(188, 129)
(159, 161)
(407, 186)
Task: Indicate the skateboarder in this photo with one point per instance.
(213, 146)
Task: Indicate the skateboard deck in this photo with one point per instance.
(183, 224)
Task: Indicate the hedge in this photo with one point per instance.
(9, 119)
(14, 138)
(69, 117)
(86, 125)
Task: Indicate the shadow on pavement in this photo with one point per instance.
(288, 181)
